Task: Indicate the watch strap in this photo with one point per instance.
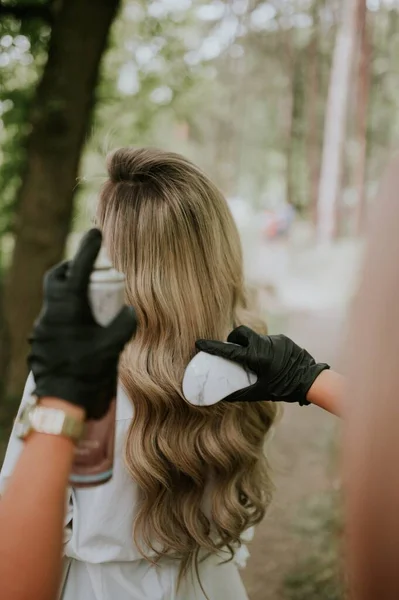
(55, 421)
(46, 419)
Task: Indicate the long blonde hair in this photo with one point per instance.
(169, 229)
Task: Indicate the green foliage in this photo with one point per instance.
(227, 83)
(22, 55)
(148, 89)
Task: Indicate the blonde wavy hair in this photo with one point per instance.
(169, 229)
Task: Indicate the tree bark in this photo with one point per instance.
(289, 114)
(4, 345)
(59, 123)
(313, 137)
(289, 134)
(26, 11)
(335, 123)
(362, 112)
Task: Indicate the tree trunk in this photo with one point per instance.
(289, 134)
(59, 123)
(313, 137)
(4, 345)
(289, 113)
(335, 122)
(362, 111)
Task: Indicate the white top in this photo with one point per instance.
(105, 563)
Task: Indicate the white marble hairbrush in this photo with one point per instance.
(209, 379)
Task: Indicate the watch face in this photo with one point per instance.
(21, 429)
(46, 420)
(23, 423)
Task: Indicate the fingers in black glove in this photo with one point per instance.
(121, 328)
(232, 352)
(285, 371)
(73, 357)
(82, 265)
(242, 335)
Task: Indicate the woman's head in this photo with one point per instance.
(169, 229)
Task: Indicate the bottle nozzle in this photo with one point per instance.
(102, 261)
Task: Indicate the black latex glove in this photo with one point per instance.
(73, 357)
(285, 371)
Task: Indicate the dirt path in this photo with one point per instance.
(300, 459)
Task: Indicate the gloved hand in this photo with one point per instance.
(285, 371)
(72, 357)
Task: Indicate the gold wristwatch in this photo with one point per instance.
(44, 419)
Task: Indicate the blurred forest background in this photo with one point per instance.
(291, 106)
(251, 90)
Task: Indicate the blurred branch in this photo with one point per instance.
(26, 11)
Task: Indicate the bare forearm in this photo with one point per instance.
(31, 519)
(327, 391)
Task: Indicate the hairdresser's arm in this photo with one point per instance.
(74, 358)
(327, 392)
(32, 512)
(286, 372)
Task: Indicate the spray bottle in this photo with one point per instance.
(94, 457)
